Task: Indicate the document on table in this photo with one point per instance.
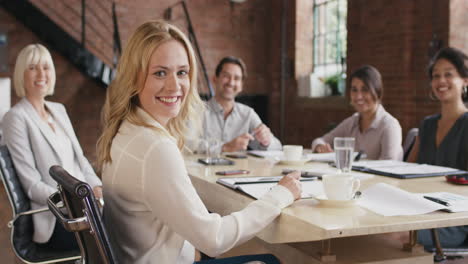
(400, 169)
(278, 154)
(266, 153)
(325, 157)
(319, 172)
(388, 200)
(453, 202)
(256, 187)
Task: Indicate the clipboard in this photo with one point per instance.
(404, 170)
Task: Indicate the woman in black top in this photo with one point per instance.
(443, 138)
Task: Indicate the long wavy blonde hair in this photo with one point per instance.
(122, 94)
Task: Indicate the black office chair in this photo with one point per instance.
(441, 253)
(85, 218)
(21, 225)
(409, 142)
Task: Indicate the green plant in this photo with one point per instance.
(332, 82)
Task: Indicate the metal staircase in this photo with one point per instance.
(85, 55)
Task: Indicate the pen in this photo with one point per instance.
(273, 180)
(358, 156)
(437, 200)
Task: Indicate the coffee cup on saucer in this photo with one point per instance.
(292, 152)
(340, 186)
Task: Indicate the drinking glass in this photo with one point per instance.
(213, 150)
(344, 148)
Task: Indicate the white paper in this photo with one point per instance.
(257, 190)
(309, 189)
(457, 203)
(332, 170)
(325, 157)
(388, 200)
(267, 153)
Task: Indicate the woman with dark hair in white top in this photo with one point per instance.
(376, 132)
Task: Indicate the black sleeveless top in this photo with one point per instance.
(452, 151)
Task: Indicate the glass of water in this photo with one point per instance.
(344, 148)
(213, 149)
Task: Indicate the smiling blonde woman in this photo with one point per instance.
(152, 209)
(39, 134)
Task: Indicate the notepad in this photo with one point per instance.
(453, 202)
(256, 187)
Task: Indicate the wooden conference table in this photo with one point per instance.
(309, 232)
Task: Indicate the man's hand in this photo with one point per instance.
(239, 143)
(263, 134)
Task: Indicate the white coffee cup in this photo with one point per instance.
(340, 186)
(292, 152)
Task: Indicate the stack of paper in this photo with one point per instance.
(388, 200)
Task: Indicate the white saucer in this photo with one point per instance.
(335, 203)
(293, 162)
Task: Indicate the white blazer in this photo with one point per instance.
(34, 150)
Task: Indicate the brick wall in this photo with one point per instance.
(395, 37)
(392, 35)
(222, 29)
(80, 95)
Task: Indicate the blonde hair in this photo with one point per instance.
(32, 54)
(122, 94)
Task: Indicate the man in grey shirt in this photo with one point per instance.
(236, 125)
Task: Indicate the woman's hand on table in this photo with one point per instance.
(323, 148)
(292, 183)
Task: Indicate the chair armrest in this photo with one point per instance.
(30, 212)
(72, 225)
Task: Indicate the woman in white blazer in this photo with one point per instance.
(39, 134)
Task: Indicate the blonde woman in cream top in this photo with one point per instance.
(153, 212)
(39, 134)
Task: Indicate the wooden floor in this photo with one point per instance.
(7, 256)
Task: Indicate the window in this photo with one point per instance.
(329, 46)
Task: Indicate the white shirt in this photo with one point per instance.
(242, 119)
(382, 140)
(65, 149)
(152, 209)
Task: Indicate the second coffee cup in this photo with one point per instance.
(292, 152)
(340, 186)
